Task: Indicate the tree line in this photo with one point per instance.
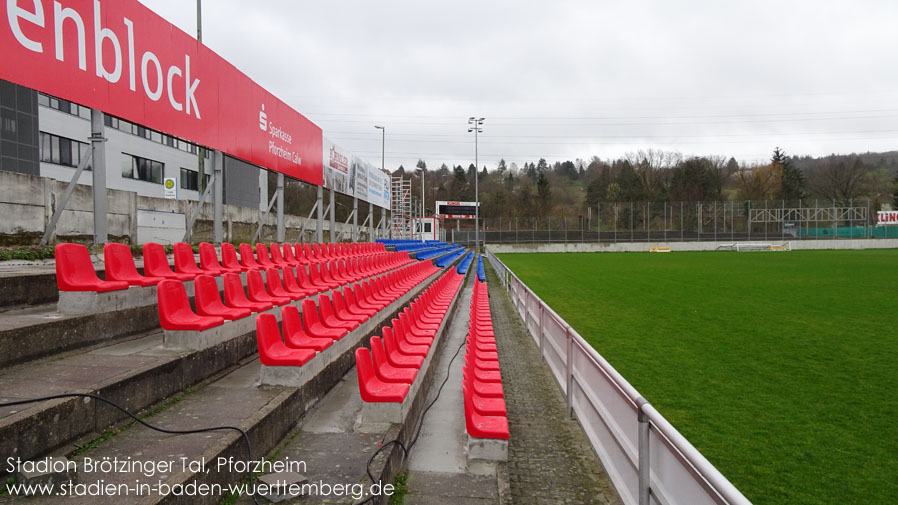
(539, 189)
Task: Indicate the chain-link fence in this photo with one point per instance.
(724, 221)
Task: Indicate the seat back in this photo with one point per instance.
(155, 262)
(229, 257)
(287, 249)
(247, 258)
(309, 313)
(208, 257)
(378, 354)
(365, 369)
(184, 259)
(317, 249)
(292, 323)
(339, 305)
(276, 256)
(255, 286)
(262, 254)
(119, 262)
(390, 345)
(324, 306)
(233, 290)
(268, 336)
(206, 296)
(290, 282)
(273, 280)
(174, 306)
(74, 269)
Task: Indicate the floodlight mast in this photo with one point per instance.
(475, 123)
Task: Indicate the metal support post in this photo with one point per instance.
(279, 194)
(644, 469)
(302, 229)
(371, 222)
(98, 168)
(355, 220)
(319, 225)
(218, 195)
(569, 362)
(199, 207)
(332, 207)
(263, 219)
(60, 205)
(542, 339)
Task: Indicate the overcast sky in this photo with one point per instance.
(570, 79)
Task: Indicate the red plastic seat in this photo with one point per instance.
(484, 389)
(209, 259)
(302, 278)
(313, 323)
(229, 260)
(404, 345)
(372, 389)
(185, 262)
(255, 288)
(293, 286)
(208, 300)
(480, 426)
(155, 263)
(247, 258)
(325, 274)
(235, 296)
(384, 370)
(362, 292)
(413, 335)
(262, 256)
(341, 311)
(294, 334)
(352, 304)
(120, 266)
(485, 375)
(329, 318)
(275, 288)
(295, 259)
(276, 257)
(483, 405)
(175, 312)
(75, 271)
(315, 276)
(272, 351)
(394, 356)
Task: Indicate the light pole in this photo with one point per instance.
(383, 150)
(422, 189)
(475, 123)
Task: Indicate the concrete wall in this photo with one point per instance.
(29, 202)
(685, 246)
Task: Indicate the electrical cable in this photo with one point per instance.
(417, 431)
(249, 448)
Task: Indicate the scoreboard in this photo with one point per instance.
(456, 210)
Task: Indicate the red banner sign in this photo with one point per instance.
(122, 58)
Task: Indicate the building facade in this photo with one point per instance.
(48, 136)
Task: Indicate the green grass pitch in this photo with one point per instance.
(781, 368)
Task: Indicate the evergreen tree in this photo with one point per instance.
(421, 164)
(543, 193)
(792, 180)
(895, 191)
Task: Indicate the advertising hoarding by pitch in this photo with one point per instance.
(122, 58)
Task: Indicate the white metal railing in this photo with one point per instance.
(648, 460)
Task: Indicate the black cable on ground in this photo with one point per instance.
(249, 448)
(405, 449)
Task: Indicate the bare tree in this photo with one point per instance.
(756, 182)
(841, 181)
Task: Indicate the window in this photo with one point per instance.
(62, 151)
(190, 179)
(135, 167)
(64, 106)
(9, 127)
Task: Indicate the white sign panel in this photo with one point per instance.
(378, 187)
(359, 177)
(337, 167)
(887, 217)
(170, 187)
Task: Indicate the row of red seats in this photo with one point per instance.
(75, 271)
(334, 317)
(175, 312)
(387, 371)
(485, 413)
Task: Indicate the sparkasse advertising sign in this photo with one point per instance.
(122, 58)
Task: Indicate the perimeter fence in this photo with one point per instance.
(648, 460)
(765, 220)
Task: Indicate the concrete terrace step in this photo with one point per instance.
(136, 374)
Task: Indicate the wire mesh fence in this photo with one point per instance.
(721, 221)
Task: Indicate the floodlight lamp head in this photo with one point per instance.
(379, 127)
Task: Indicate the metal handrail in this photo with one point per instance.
(718, 488)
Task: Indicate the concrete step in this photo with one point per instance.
(136, 374)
